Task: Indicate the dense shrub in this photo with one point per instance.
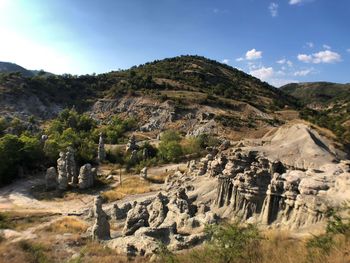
(16, 152)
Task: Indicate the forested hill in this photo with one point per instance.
(320, 93)
(187, 73)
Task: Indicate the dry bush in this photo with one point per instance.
(130, 186)
(67, 224)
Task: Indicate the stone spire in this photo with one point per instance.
(101, 153)
(101, 227)
(71, 166)
(62, 172)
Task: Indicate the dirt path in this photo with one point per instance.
(17, 197)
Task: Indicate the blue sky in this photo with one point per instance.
(278, 41)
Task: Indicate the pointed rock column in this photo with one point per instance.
(101, 228)
(71, 166)
(62, 172)
(101, 153)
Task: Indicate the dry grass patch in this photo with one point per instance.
(67, 224)
(159, 178)
(96, 252)
(130, 186)
(22, 220)
(24, 251)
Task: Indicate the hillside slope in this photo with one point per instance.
(7, 67)
(319, 93)
(190, 93)
(326, 104)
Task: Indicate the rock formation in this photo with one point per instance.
(131, 145)
(101, 227)
(101, 153)
(137, 217)
(157, 220)
(143, 173)
(121, 212)
(86, 176)
(51, 178)
(62, 172)
(71, 166)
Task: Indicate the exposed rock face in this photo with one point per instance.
(71, 166)
(62, 172)
(137, 217)
(86, 176)
(101, 227)
(160, 116)
(51, 178)
(158, 220)
(121, 212)
(131, 145)
(101, 152)
(158, 210)
(252, 186)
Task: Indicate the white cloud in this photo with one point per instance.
(239, 59)
(305, 58)
(302, 73)
(273, 7)
(325, 56)
(348, 50)
(310, 44)
(294, 2)
(298, 2)
(253, 54)
(263, 73)
(326, 46)
(285, 61)
(226, 61)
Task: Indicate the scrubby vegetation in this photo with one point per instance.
(325, 104)
(238, 243)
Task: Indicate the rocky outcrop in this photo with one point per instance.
(158, 210)
(137, 217)
(121, 212)
(159, 219)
